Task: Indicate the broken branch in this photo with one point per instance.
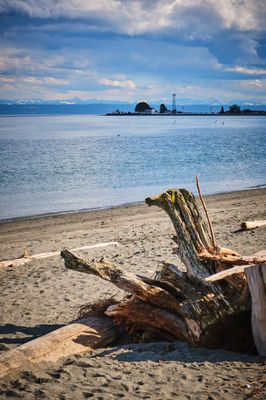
(122, 279)
(233, 259)
(26, 258)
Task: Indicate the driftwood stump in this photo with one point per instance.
(181, 305)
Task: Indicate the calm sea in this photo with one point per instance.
(64, 163)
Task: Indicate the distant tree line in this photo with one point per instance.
(142, 106)
(163, 109)
(236, 110)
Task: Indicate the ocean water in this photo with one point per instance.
(65, 163)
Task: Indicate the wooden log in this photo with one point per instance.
(199, 312)
(246, 225)
(26, 258)
(141, 316)
(227, 272)
(122, 279)
(256, 277)
(209, 314)
(79, 336)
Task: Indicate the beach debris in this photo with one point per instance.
(26, 257)
(77, 337)
(247, 225)
(180, 305)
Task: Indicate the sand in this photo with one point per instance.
(41, 296)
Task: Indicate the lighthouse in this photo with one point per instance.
(174, 104)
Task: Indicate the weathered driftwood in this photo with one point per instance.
(26, 258)
(123, 280)
(192, 232)
(178, 305)
(246, 225)
(145, 317)
(195, 247)
(256, 277)
(79, 336)
(188, 311)
(218, 259)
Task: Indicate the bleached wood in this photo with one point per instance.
(256, 278)
(79, 336)
(26, 259)
(227, 272)
(235, 270)
(246, 225)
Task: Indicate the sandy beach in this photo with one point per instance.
(41, 296)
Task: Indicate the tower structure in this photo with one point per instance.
(174, 104)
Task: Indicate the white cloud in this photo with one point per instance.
(116, 83)
(246, 70)
(13, 59)
(255, 83)
(5, 79)
(54, 67)
(193, 92)
(49, 80)
(198, 18)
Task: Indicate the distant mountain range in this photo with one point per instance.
(64, 108)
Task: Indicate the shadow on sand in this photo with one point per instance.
(175, 351)
(15, 334)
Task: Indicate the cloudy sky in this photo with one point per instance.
(108, 50)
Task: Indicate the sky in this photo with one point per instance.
(205, 51)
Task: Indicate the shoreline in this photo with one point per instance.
(133, 114)
(119, 206)
(188, 114)
(71, 212)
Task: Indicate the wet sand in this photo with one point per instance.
(41, 296)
